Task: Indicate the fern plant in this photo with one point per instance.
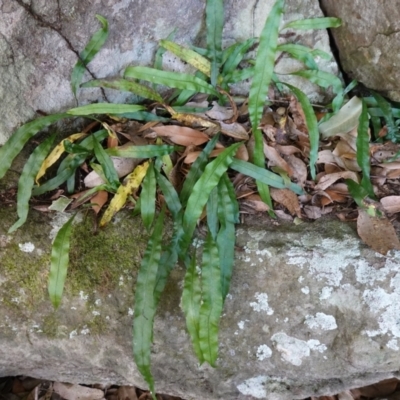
(207, 186)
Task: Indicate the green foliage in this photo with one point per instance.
(201, 192)
(148, 197)
(59, 263)
(171, 79)
(263, 70)
(363, 151)
(145, 305)
(27, 179)
(312, 125)
(191, 301)
(207, 186)
(125, 86)
(87, 55)
(17, 141)
(211, 306)
(214, 23)
(106, 163)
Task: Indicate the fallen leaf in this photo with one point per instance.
(313, 212)
(234, 130)
(77, 392)
(288, 199)
(297, 114)
(381, 389)
(127, 393)
(345, 120)
(218, 112)
(122, 165)
(182, 135)
(255, 203)
(242, 153)
(98, 200)
(346, 395)
(299, 169)
(328, 180)
(276, 160)
(377, 232)
(191, 157)
(391, 204)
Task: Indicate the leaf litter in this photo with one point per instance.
(286, 149)
(27, 388)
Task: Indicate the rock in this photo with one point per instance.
(311, 311)
(368, 42)
(40, 41)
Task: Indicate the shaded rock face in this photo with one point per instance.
(40, 41)
(311, 311)
(369, 42)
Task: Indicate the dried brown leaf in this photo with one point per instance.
(328, 180)
(377, 232)
(98, 200)
(393, 174)
(219, 113)
(299, 169)
(391, 204)
(346, 395)
(254, 203)
(182, 135)
(191, 157)
(234, 130)
(242, 153)
(390, 165)
(274, 159)
(288, 199)
(287, 150)
(313, 212)
(77, 392)
(127, 393)
(380, 389)
(297, 114)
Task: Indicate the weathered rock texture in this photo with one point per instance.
(311, 311)
(40, 41)
(369, 42)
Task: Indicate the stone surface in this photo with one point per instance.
(311, 311)
(40, 40)
(368, 42)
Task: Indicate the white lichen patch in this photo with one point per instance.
(325, 293)
(254, 387)
(27, 247)
(325, 260)
(263, 352)
(392, 344)
(85, 331)
(321, 321)
(73, 334)
(305, 290)
(261, 304)
(130, 311)
(83, 296)
(264, 252)
(314, 344)
(385, 305)
(367, 274)
(241, 324)
(292, 350)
